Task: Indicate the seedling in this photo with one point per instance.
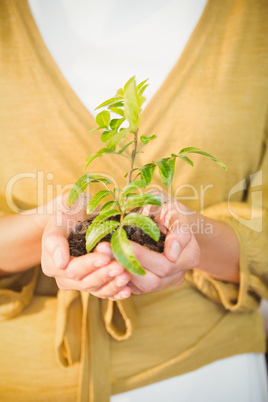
(121, 135)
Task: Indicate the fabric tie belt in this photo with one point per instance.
(84, 326)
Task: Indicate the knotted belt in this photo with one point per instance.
(85, 327)
(85, 324)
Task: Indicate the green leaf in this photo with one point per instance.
(125, 147)
(144, 223)
(140, 200)
(120, 93)
(133, 170)
(142, 89)
(145, 139)
(106, 135)
(141, 100)
(109, 205)
(116, 104)
(133, 185)
(116, 123)
(105, 215)
(194, 150)
(166, 167)
(141, 84)
(123, 252)
(147, 172)
(131, 194)
(101, 152)
(93, 130)
(90, 158)
(117, 138)
(109, 101)
(98, 232)
(103, 119)
(185, 158)
(132, 79)
(94, 202)
(131, 102)
(82, 183)
(118, 110)
(102, 217)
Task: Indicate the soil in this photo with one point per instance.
(77, 241)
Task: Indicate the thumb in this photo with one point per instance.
(55, 248)
(177, 239)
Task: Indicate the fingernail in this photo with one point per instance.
(145, 211)
(100, 263)
(121, 282)
(175, 250)
(124, 294)
(58, 258)
(115, 272)
(102, 248)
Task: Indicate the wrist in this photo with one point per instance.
(219, 248)
(38, 217)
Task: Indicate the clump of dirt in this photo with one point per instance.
(77, 241)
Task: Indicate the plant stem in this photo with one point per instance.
(137, 175)
(125, 156)
(114, 197)
(133, 155)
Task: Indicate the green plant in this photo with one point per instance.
(126, 105)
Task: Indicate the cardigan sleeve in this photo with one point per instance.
(16, 291)
(249, 220)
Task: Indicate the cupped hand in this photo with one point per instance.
(96, 272)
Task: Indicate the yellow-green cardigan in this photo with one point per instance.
(67, 346)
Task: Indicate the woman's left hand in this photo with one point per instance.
(216, 251)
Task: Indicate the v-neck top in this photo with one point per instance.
(215, 98)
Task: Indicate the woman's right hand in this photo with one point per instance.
(97, 272)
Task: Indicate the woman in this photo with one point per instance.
(90, 347)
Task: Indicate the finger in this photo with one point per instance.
(153, 262)
(105, 247)
(84, 265)
(189, 257)
(109, 290)
(134, 289)
(157, 211)
(79, 267)
(154, 213)
(55, 248)
(176, 240)
(76, 212)
(55, 252)
(170, 212)
(151, 282)
(113, 291)
(113, 275)
(178, 233)
(146, 283)
(122, 294)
